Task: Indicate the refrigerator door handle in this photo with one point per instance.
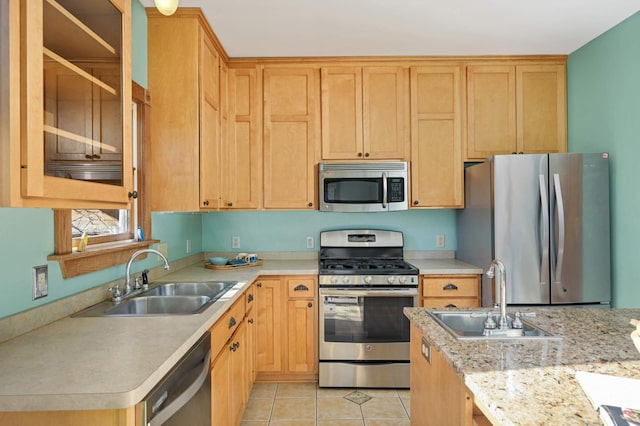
(544, 201)
(561, 228)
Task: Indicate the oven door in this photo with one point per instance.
(365, 324)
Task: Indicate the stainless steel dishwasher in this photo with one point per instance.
(183, 397)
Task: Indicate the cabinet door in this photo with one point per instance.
(270, 325)
(242, 167)
(175, 125)
(436, 142)
(101, 32)
(342, 113)
(541, 106)
(291, 108)
(220, 386)
(237, 374)
(301, 336)
(210, 189)
(438, 395)
(383, 113)
(491, 111)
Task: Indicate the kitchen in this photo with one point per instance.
(608, 59)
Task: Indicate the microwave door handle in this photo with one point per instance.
(385, 199)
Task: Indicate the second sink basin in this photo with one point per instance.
(469, 325)
(160, 305)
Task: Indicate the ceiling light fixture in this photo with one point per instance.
(166, 7)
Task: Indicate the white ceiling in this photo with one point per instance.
(281, 28)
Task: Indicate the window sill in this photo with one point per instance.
(92, 260)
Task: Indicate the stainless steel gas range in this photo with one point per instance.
(364, 285)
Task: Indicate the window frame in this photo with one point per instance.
(103, 255)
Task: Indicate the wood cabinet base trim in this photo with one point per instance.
(281, 377)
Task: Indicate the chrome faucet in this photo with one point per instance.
(127, 282)
(491, 273)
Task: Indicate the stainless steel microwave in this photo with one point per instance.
(363, 187)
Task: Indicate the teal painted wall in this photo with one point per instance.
(138, 43)
(287, 231)
(603, 94)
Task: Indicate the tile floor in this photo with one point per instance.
(302, 404)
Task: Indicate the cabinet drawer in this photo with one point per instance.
(301, 288)
(450, 286)
(450, 302)
(226, 325)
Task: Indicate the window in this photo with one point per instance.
(111, 232)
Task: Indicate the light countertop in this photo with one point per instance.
(526, 382)
(79, 363)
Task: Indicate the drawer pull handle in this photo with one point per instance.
(250, 298)
(232, 322)
(301, 287)
(450, 287)
(451, 305)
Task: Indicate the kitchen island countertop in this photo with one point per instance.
(527, 382)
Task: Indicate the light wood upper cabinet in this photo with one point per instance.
(363, 113)
(436, 141)
(242, 160)
(515, 109)
(291, 137)
(55, 101)
(184, 79)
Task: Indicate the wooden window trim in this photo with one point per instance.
(73, 264)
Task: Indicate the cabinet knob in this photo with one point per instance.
(205, 202)
(366, 154)
(133, 194)
(416, 202)
(232, 322)
(259, 285)
(87, 156)
(310, 305)
(310, 205)
(250, 320)
(513, 152)
(230, 204)
(250, 298)
(359, 154)
(95, 156)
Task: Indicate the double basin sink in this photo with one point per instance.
(470, 325)
(176, 298)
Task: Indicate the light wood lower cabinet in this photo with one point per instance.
(449, 291)
(287, 330)
(230, 369)
(123, 417)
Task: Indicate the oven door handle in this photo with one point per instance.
(383, 292)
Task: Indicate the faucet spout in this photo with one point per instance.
(491, 273)
(127, 282)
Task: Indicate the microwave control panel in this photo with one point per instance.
(395, 192)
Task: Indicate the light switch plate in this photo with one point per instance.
(40, 281)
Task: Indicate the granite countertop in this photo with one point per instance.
(80, 363)
(527, 382)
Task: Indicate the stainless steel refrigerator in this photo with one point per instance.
(546, 217)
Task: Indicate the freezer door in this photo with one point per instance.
(520, 215)
(580, 248)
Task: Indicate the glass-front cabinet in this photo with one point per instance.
(76, 101)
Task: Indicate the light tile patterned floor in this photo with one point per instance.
(302, 404)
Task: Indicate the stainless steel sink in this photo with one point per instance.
(470, 325)
(212, 289)
(173, 298)
(160, 305)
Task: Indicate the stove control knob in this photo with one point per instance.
(345, 280)
(390, 280)
(403, 280)
(334, 280)
(368, 279)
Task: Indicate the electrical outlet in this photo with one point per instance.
(309, 242)
(188, 246)
(40, 281)
(164, 249)
(235, 242)
(440, 240)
